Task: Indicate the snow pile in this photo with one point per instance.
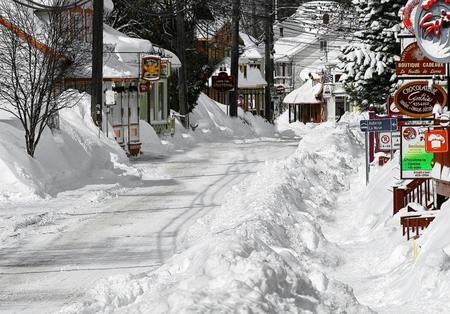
(208, 121)
(76, 151)
(304, 235)
(263, 251)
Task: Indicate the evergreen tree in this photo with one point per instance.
(368, 64)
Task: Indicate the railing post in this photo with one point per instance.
(399, 197)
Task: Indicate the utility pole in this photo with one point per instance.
(182, 77)
(97, 62)
(235, 58)
(268, 69)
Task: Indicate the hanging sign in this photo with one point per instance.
(165, 68)
(222, 82)
(408, 14)
(415, 161)
(110, 98)
(417, 99)
(151, 68)
(143, 87)
(414, 62)
(436, 141)
(431, 29)
(392, 108)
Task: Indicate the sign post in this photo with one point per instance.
(376, 125)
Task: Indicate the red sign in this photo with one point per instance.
(436, 141)
(431, 29)
(222, 82)
(143, 88)
(280, 89)
(408, 14)
(392, 108)
(417, 99)
(414, 62)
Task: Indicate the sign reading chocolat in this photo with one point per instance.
(431, 24)
(417, 99)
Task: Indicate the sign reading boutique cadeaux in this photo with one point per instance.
(413, 62)
(432, 29)
(417, 99)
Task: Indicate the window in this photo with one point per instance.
(323, 45)
(76, 23)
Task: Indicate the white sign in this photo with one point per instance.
(431, 29)
(110, 99)
(389, 140)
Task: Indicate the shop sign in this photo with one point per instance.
(143, 88)
(414, 62)
(392, 108)
(222, 82)
(417, 99)
(431, 29)
(151, 68)
(415, 161)
(165, 68)
(436, 141)
(408, 14)
(280, 89)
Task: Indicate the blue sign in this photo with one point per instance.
(378, 125)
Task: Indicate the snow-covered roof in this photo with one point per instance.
(253, 79)
(127, 53)
(309, 18)
(250, 49)
(287, 47)
(305, 94)
(320, 64)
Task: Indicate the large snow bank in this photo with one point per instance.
(77, 150)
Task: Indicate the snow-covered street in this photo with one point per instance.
(115, 228)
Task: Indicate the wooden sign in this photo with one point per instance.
(414, 62)
(417, 99)
(222, 82)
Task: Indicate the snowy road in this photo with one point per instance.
(107, 229)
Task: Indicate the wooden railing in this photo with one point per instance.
(415, 223)
(418, 191)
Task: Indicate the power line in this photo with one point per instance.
(161, 14)
(40, 6)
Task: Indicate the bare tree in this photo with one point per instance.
(38, 46)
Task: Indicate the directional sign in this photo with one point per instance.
(378, 125)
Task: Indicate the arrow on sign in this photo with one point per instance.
(379, 125)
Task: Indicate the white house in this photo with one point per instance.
(309, 41)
